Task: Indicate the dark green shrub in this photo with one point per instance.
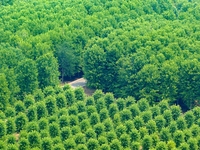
(115, 145)
(82, 116)
(34, 139)
(66, 87)
(161, 146)
(189, 118)
(61, 101)
(187, 134)
(58, 89)
(79, 94)
(108, 124)
(129, 126)
(99, 129)
(20, 122)
(184, 146)
(31, 113)
(29, 100)
(62, 111)
(135, 111)
(196, 112)
(92, 144)
(56, 140)
(168, 117)
(53, 118)
(44, 134)
(23, 144)
(125, 140)
(121, 129)
(50, 105)
(32, 126)
(193, 145)
(75, 129)
(135, 145)
(181, 124)
(63, 121)
(109, 99)
(80, 138)
(43, 124)
(90, 110)
(176, 111)
(104, 147)
(58, 146)
(130, 101)
(46, 143)
(49, 90)
(103, 114)
(116, 120)
(195, 130)
(165, 135)
(54, 130)
(90, 101)
(102, 140)
(138, 122)
(143, 104)
(164, 105)
(143, 131)
(10, 126)
(72, 110)
(11, 139)
(155, 139)
(2, 145)
(12, 147)
(81, 147)
(98, 94)
(90, 134)
(113, 109)
(70, 97)
(111, 135)
(73, 120)
(94, 118)
(19, 107)
(69, 144)
(80, 106)
(41, 110)
(178, 137)
(65, 133)
(38, 95)
(84, 125)
(172, 127)
(155, 110)
(125, 115)
(146, 116)
(151, 126)
(100, 104)
(10, 112)
(146, 142)
(121, 104)
(160, 122)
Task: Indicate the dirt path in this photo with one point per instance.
(78, 83)
(81, 83)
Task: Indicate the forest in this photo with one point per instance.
(141, 56)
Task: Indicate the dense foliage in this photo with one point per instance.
(146, 49)
(146, 52)
(97, 122)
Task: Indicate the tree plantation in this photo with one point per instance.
(141, 56)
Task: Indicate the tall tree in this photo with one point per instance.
(4, 92)
(27, 74)
(47, 70)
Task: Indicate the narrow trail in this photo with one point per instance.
(78, 83)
